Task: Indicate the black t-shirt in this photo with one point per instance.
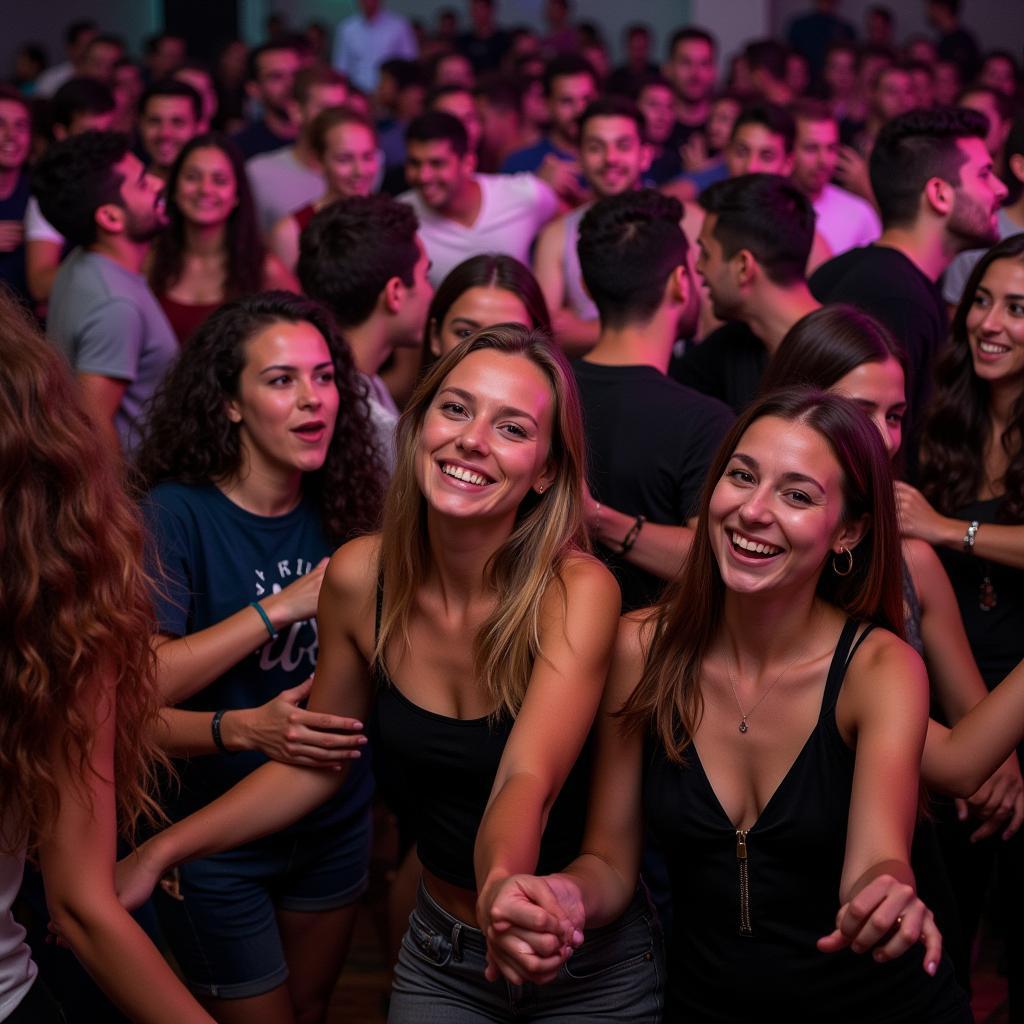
(728, 365)
(650, 443)
(12, 264)
(256, 138)
(484, 54)
(888, 285)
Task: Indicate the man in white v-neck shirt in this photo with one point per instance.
(462, 213)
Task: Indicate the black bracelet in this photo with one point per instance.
(634, 531)
(218, 740)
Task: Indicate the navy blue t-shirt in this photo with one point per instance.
(12, 264)
(215, 558)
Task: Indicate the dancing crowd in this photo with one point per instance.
(596, 491)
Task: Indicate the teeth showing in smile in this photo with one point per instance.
(990, 348)
(753, 547)
(466, 475)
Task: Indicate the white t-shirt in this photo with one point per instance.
(383, 417)
(37, 227)
(513, 209)
(281, 185)
(361, 46)
(845, 221)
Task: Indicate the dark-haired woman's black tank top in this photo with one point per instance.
(437, 772)
(750, 905)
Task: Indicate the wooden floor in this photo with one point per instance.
(361, 995)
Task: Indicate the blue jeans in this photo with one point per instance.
(615, 976)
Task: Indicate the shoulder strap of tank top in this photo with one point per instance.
(846, 648)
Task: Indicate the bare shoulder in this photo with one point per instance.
(552, 232)
(583, 572)
(352, 572)
(584, 594)
(885, 668)
(923, 563)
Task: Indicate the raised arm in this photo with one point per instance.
(277, 795)
(77, 860)
(883, 712)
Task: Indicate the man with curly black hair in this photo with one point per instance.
(102, 315)
(363, 259)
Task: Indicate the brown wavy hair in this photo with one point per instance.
(74, 605)
(549, 528)
(681, 629)
(958, 426)
(189, 438)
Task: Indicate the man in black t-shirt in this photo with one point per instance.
(650, 440)
(938, 195)
(754, 243)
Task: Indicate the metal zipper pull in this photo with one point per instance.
(742, 856)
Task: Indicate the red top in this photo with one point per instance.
(186, 317)
(304, 215)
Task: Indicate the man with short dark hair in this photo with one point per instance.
(613, 156)
(499, 105)
(766, 61)
(754, 244)
(170, 113)
(165, 52)
(956, 43)
(485, 44)
(938, 195)
(286, 179)
(79, 105)
(462, 213)
(102, 315)
(690, 67)
(844, 220)
(650, 440)
(627, 78)
(101, 56)
(270, 74)
(77, 37)
(761, 142)
(361, 257)
(569, 85)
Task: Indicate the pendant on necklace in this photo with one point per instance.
(987, 598)
(743, 725)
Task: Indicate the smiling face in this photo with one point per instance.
(486, 437)
(165, 125)
(437, 172)
(995, 323)
(287, 401)
(776, 515)
(15, 134)
(480, 306)
(351, 160)
(612, 154)
(206, 192)
(879, 388)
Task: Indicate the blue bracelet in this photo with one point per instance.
(266, 619)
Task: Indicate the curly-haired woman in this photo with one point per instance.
(260, 460)
(76, 685)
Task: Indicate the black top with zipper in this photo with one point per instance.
(749, 905)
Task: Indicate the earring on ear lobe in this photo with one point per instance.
(849, 561)
(540, 488)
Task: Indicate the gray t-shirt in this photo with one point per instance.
(955, 278)
(281, 185)
(107, 322)
(383, 418)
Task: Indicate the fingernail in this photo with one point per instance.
(932, 967)
(577, 937)
(880, 957)
(356, 725)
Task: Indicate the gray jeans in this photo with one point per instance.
(616, 975)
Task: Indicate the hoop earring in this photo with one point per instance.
(849, 562)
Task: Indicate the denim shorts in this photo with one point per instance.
(616, 975)
(223, 932)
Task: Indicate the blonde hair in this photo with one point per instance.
(548, 528)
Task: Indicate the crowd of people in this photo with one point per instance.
(609, 479)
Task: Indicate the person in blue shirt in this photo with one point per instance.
(260, 461)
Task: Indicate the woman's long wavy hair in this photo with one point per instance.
(682, 628)
(189, 438)
(242, 240)
(548, 528)
(75, 614)
(958, 428)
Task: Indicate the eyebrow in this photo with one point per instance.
(505, 410)
(752, 463)
(286, 366)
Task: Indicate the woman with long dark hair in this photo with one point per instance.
(480, 629)
(211, 251)
(773, 721)
(970, 506)
(260, 460)
(77, 761)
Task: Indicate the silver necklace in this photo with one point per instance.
(745, 715)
